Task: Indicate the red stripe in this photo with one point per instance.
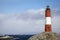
(48, 28)
(47, 13)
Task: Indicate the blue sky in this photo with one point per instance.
(27, 16)
(12, 6)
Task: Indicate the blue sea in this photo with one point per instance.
(21, 37)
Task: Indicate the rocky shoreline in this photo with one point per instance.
(46, 36)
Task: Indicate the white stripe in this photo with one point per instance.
(48, 20)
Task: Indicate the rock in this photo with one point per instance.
(46, 36)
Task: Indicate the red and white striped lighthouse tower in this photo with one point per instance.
(48, 20)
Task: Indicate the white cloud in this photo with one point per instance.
(36, 11)
(29, 22)
(56, 24)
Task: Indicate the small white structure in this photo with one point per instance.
(6, 38)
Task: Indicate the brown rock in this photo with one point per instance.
(46, 36)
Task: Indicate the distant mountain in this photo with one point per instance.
(20, 37)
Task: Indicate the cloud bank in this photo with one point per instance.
(29, 22)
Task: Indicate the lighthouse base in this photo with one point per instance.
(48, 28)
(46, 36)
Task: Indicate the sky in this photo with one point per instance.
(27, 16)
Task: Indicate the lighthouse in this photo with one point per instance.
(48, 20)
(48, 34)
